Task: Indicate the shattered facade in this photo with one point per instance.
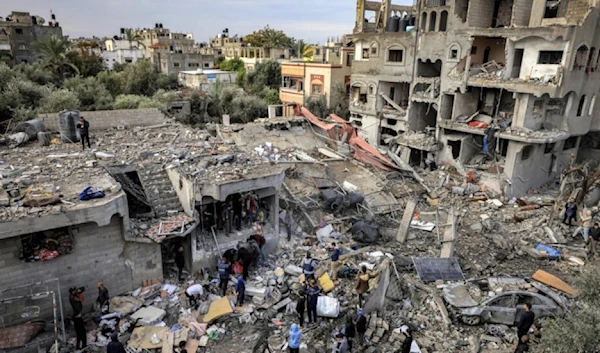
(522, 73)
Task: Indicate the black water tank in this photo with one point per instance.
(411, 20)
(393, 24)
(67, 123)
(403, 24)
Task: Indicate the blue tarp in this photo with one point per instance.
(552, 253)
(91, 193)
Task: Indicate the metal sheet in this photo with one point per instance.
(433, 269)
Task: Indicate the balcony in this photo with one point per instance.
(514, 134)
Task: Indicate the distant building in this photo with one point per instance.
(301, 80)
(119, 51)
(18, 32)
(202, 79)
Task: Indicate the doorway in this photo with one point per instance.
(518, 60)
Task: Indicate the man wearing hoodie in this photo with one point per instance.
(115, 346)
(294, 342)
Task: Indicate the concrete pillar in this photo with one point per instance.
(537, 13)
(509, 52)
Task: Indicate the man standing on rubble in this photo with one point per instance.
(362, 284)
(585, 224)
(180, 262)
(526, 321)
(260, 241)
(335, 257)
(288, 220)
(103, 298)
(84, 134)
(594, 238)
(570, 211)
(361, 328)
(308, 266)
(312, 297)
(223, 269)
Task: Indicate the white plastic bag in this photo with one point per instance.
(328, 307)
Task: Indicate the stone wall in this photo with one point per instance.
(109, 119)
(99, 254)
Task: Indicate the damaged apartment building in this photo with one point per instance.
(507, 87)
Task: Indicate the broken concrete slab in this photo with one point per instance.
(449, 236)
(554, 282)
(457, 294)
(149, 315)
(407, 218)
(218, 308)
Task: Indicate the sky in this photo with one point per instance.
(312, 20)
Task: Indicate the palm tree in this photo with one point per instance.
(53, 54)
(132, 36)
(304, 50)
(273, 38)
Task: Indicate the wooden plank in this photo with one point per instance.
(554, 282)
(409, 212)
(449, 236)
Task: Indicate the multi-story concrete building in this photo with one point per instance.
(301, 80)
(119, 51)
(18, 32)
(173, 52)
(505, 86)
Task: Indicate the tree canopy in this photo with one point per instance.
(269, 38)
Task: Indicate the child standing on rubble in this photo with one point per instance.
(240, 289)
(294, 342)
(223, 269)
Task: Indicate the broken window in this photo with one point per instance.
(473, 50)
(551, 9)
(374, 49)
(570, 143)
(453, 54)
(526, 152)
(371, 89)
(455, 146)
(175, 64)
(581, 105)
(550, 57)
(432, 20)
(581, 58)
(396, 55)
(317, 89)
(46, 245)
(443, 21)
(18, 31)
(349, 59)
(365, 53)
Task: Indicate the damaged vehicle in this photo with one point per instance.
(507, 308)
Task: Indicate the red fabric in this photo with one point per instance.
(237, 268)
(313, 119)
(478, 124)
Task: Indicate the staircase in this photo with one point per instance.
(159, 191)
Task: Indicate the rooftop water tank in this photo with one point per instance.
(393, 24)
(67, 125)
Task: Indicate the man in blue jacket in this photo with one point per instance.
(308, 266)
(240, 288)
(335, 257)
(223, 269)
(294, 342)
(312, 296)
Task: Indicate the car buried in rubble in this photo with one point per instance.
(506, 308)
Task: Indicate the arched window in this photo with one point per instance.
(395, 54)
(581, 105)
(374, 49)
(581, 58)
(591, 58)
(443, 21)
(423, 21)
(432, 19)
(454, 52)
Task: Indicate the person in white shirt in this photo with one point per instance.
(193, 293)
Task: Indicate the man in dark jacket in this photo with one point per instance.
(115, 346)
(350, 332)
(84, 134)
(103, 298)
(570, 211)
(180, 262)
(301, 305)
(80, 332)
(361, 328)
(312, 296)
(594, 239)
(526, 321)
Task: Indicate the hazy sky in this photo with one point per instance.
(312, 20)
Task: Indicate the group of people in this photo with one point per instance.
(239, 211)
(591, 234)
(102, 303)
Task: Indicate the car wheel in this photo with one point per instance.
(471, 320)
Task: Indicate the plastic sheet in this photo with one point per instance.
(365, 232)
(328, 307)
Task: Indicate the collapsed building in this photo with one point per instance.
(506, 87)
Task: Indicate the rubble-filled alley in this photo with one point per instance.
(177, 222)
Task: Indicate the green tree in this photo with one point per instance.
(140, 78)
(113, 81)
(304, 50)
(132, 101)
(132, 36)
(317, 106)
(167, 82)
(270, 96)
(36, 73)
(59, 100)
(234, 64)
(87, 62)
(577, 331)
(269, 38)
(247, 108)
(265, 74)
(53, 53)
(91, 93)
(340, 100)
(119, 67)
(218, 61)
